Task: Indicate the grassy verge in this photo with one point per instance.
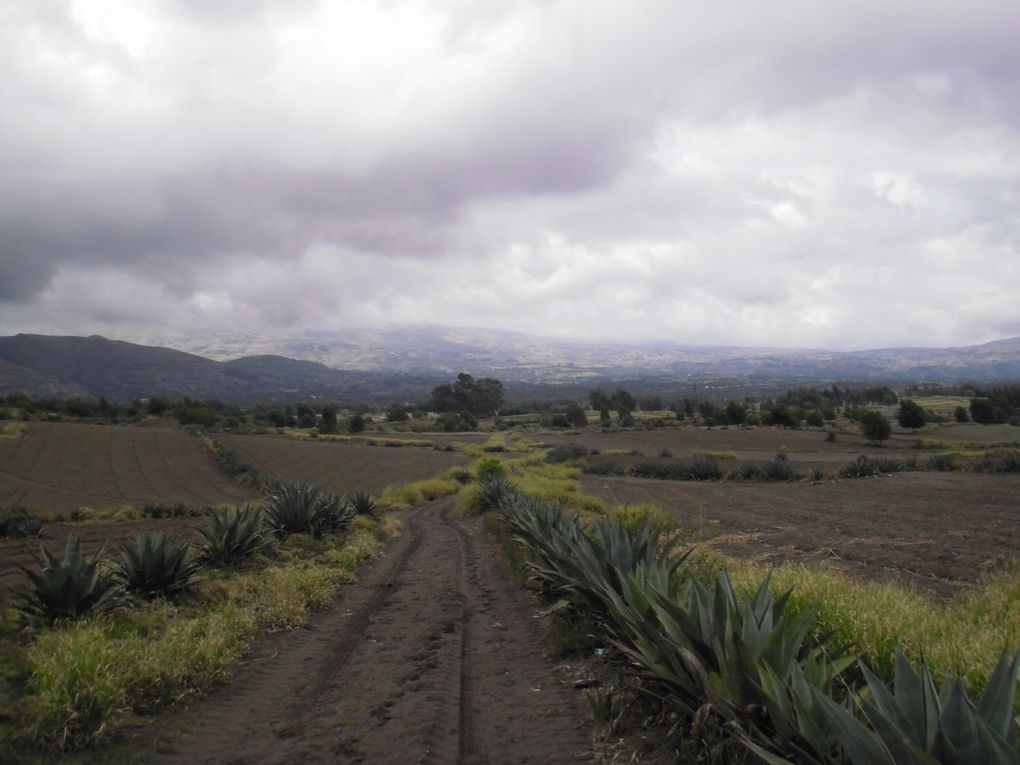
(963, 636)
(78, 683)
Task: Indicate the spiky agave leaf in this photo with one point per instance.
(69, 588)
(235, 534)
(158, 565)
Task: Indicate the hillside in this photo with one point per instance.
(403, 365)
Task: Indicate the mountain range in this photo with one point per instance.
(404, 363)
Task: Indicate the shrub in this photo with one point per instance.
(158, 565)
(566, 452)
(18, 522)
(865, 466)
(235, 534)
(606, 468)
(942, 462)
(177, 510)
(704, 469)
(875, 426)
(747, 471)
(70, 588)
(490, 468)
(779, 468)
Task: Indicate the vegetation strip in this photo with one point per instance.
(625, 583)
(77, 681)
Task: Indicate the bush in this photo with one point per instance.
(911, 415)
(490, 468)
(875, 426)
(701, 469)
(18, 522)
(566, 452)
(177, 510)
(70, 588)
(942, 462)
(606, 468)
(158, 565)
(779, 468)
(864, 467)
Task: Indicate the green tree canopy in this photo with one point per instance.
(875, 426)
(480, 397)
(910, 415)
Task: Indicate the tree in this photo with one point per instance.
(875, 426)
(575, 415)
(479, 397)
(328, 423)
(985, 412)
(356, 424)
(623, 401)
(736, 413)
(599, 399)
(910, 415)
(397, 413)
(960, 414)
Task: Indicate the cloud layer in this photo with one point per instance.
(791, 173)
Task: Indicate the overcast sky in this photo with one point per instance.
(822, 174)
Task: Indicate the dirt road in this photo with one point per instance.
(433, 657)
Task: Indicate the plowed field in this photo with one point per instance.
(341, 467)
(938, 531)
(63, 466)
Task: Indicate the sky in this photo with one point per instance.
(839, 175)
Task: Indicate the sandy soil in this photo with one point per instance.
(938, 531)
(433, 657)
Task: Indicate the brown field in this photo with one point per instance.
(807, 449)
(59, 467)
(937, 531)
(337, 466)
(976, 434)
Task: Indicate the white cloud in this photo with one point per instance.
(841, 176)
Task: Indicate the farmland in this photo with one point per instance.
(437, 649)
(60, 467)
(935, 531)
(340, 467)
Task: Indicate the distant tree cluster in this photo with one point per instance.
(478, 397)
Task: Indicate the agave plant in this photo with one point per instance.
(334, 514)
(738, 656)
(363, 503)
(68, 588)
(235, 534)
(301, 508)
(158, 565)
(913, 724)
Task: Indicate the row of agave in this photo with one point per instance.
(164, 565)
(750, 674)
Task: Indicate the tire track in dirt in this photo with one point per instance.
(433, 657)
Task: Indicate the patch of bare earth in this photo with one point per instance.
(937, 531)
(434, 656)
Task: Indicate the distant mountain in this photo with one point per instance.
(43, 365)
(516, 356)
(404, 364)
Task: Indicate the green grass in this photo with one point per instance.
(410, 494)
(78, 683)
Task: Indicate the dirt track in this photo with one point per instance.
(433, 657)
